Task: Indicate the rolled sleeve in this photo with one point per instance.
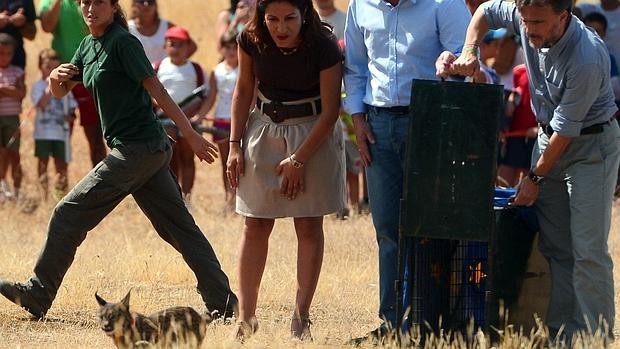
(356, 64)
(502, 14)
(452, 29)
(583, 86)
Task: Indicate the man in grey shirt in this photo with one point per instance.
(576, 157)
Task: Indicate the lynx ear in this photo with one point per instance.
(125, 300)
(102, 302)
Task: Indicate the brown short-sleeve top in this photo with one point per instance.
(288, 77)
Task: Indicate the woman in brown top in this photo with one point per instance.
(286, 156)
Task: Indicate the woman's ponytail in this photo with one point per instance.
(119, 16)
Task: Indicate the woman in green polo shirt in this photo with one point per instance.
(113, 66)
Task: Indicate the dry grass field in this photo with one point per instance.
(124, 251)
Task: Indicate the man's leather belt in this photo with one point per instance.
(590, 130)
(278, 112)
(398, 109)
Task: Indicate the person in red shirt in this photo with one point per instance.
(518, 141)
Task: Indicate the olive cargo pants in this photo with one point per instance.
(142, 171)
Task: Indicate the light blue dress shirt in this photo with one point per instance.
(569, 81)
(388, 46)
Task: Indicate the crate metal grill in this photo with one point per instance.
(449, 283)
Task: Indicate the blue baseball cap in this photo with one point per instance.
(494, 35)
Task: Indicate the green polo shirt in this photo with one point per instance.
(112, 68)
(70, 29)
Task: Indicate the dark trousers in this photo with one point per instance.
(140, 170)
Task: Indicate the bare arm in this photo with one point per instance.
(49, 18)
(221, 25)
(556, 147)
(17, 91)
(26, 28)
(528, 190)
(293, 181)
(60, 79)
(201, 147)
(330, 82)
(242, 96)
(209, 101)
(241, 102)
(467, 64)
(45, 98)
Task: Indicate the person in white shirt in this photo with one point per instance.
(222, 81)
(150, 29)
(332, 16)
(51, 130)
(180, 77)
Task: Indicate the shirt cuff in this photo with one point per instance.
(354, 105)
(565, 127)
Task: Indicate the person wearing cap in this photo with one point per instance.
(574, 162)
(150, 29)
(113, 66)
(180, 77)
(62, 18)
(488, 51)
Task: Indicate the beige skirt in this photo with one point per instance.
(265, 145)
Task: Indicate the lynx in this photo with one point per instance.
(177, 327)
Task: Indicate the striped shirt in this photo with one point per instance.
(9, 76)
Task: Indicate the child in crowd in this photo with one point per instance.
(353, 162)
(51, 130)
(519, 138)
(488, 52)
(598, 22)
(180, 77)
(221, 86)
(12, 91)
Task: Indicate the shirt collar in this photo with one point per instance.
(559, 46)
(379, 2)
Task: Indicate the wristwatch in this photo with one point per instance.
(535, 178)
(295, 163)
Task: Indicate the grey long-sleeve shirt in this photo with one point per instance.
(569, 81)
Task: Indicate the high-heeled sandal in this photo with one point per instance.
(300, 328)
(245, 329)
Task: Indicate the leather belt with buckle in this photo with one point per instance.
(590, 130)
(279, 112)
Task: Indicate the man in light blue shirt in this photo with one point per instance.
(389, 43)
(575, 160)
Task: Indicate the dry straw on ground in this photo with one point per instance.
(124, 251)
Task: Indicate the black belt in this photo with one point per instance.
(590, 130)
(398, 109)
(279, 112)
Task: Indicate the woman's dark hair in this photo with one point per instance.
(119, 15)
(312, 29)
